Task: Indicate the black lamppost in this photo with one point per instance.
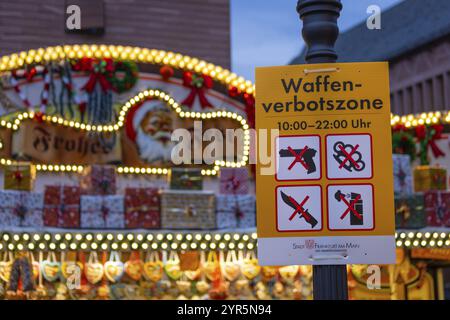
(320, 31)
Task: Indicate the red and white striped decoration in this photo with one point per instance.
(44, 94)
(15, 84)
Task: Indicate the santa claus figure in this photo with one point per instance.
(151, 130)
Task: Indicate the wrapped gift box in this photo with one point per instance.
(234, 181)
(100, 212)
(21, 208)
(429, 178)
(437, 208)
(402, 174)
(62, 206)
(410, 212)
(188, 209)
(98, 180)
(235, 211)
(186, 179)
(19, 176)
(142, 208)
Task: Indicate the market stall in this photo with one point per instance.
(93, 205)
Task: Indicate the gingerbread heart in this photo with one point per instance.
(5, 270)
(50, 270)
(202, 287)
(230, 271)
(183, 285)
(67, 271)
(134, 268)
(268, 272)
(94, 272)
(153, 270)
(36, 269)
(212, 270)
(241, 284)
(250, 268)
(114, 270)
(193, 274)
(172, 269)
(288, 272)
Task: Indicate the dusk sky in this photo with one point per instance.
(268, 32)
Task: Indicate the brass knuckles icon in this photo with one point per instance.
(340, 157)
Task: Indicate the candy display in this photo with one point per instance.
(437, 208)
(234, 181)
(188, 209)
(236, 211)
(21, 208)
(62, 206)
(98, 180)
(19, 176)
(185, 179)
(154, 276)
(99, 212)
(428, 178)
(402, 174)
(142, 208)
(410, 212)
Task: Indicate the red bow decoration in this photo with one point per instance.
(39, 117)
(197, 84)
(82, 107)
(30, 73)
(430, 139)
(18, 176)
(100, 71)
(105, 212)
(249, 100)
(233, 184)
(398, 127)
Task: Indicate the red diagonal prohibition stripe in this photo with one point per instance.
(299, 208)
(348, 156)
(351, 207)
(298, 157)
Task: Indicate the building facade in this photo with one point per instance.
(415, 39)
(199, 28)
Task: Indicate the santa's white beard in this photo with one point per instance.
(152, 150)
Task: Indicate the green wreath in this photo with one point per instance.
(125, 82)
(403, 142)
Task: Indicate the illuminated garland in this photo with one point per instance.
(128, 241)
(136, 54)
(219, 240)
(411, 121)
(139, 98)
(167, 58)
(121, 170)
(418, 239)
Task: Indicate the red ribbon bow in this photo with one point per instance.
(18, 175)
(105, 212)
(99, 70)
(233, 184)
(421, 134)
(249, 100)
(197, 84)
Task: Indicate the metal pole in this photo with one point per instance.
(320, 31)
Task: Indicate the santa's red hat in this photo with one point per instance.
(137, 113)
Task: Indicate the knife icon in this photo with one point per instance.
(290, 201)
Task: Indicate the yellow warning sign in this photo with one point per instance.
(326, 195)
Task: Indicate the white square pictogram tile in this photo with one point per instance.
(299, 208)
(298, 158)
(351, 207)
(349, 156)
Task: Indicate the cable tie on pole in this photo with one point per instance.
(328, 257)
(323, 70)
